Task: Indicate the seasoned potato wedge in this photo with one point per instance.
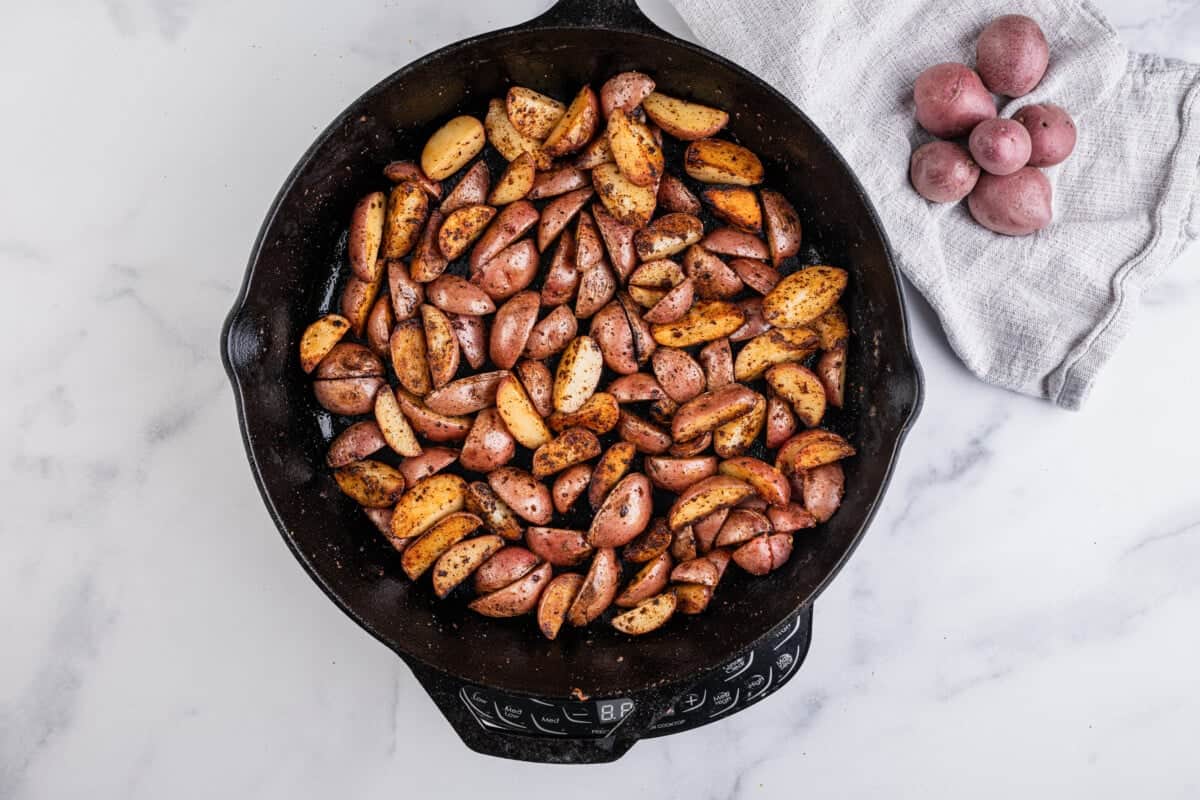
(658, 273)
(674, 195)
(407, 208)
(781, 422)
(589, 249)
(558, 180)
(609, 470)
(627, 202)
(651, 579)
(495, 513)
(535, 377)
(715, 280)
(462, 227)
(833, 329)
(366, 235)
(673, 305)
(642, 434)
(559, 546)
(431, 461)
(811, 448)
(764, 554)
(349, 360)
(355, 443)
(719, 161)
(441, 343)
(668, 235)
(618, 240)
(831, 368)
(510, 272)
(737, 206)
(648, 544)
(697, 570)
(767, 481)
(600, 414)
(456, 564)
(783, 226)
(511, 327)
(421, 554)
(451, 147)
(507, 565)
(394, 426)
(398, 171)
(532, 113)
(704, 497)
(409, 357)
(571, 447)
(509, 141)
(635, 388)
(598, 589)
(471, 189)
(569, 486)
(427, 503)
(596, 288)
(519, 414)
(379, 326)
(525, 495)
(801, 388)
(736, 436)
(515, 599)
(578, 374)
(406, 292)
(624, 513)
(319, 338)
(710, 410)
(691, 598)
(430, 424)
(558, 213)
(515, 183)
(466, 395)
(357, 298)
(732, 242)
(680, 376)
(626, 91)
(770, 348)
(705, 321)
(561, 280)
(489, 445)
(756, 274)
(683, 544)
(576, 126)
(370, 483)
(472, 338)
(681, 119)
(634, 150)
(427, 264)
(596, 153)
(789, 518)
(716, 358)
(555, 601)
(347, 396)
(708, 528)
(647, 616)
(552, 334)
(822, 489)
(677, 474)
(804, 296)
(611, 331)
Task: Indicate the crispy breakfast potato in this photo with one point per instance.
(667, 235)
(558, 213)
(754, 324)
(551, 335)
(427, 263)
(673, 305)
(710, 410)
(781, 422)
(379, 326)
(822, 489)
(570, 484)
(472, 338)
(678, 373)
(833, 329)
(462, 227)
(354, 444)
(715, 280)
(663, 411)
(576, 126)
(525, 495)
(716, 358)
(598, 589)
(515, 599)
(707, 529)
(507, 565)
(732, 242)
(681, 119)
(532, 113)
(347, 396)
(648, 544)
(764, 554)
(645, 436)
(804, 296)
(683, 544)
(508, 226)
(758, 275)
(589, 249)
(495, 513)
(393, 425)
(451, 147)
(691, 598)
(431, 461)
(405, 291)
(442, 345)
(705, 321)
(356, 301)
(831, 368)
(610, 469)
(618, 240)
(635, 388)
(651, 579)
(471, 189)
(321, 337)
(398, 171)
(578, 374)
(466, 395)
(767, 481)
(674, 195)
(736, 436)
(596, 288)
(509, 141)
(430, 424)
(625, 91)
(697, 570)
(489, 445)
(519, 414)
(511, 271)
(645, 296)
(624, 513)
(627, 202)
(556, 599)
(407, 208)
(571, 447)
(704, 497)
(366, 235)
(559, 546)
(677, 474)
(737, 206)
(426, 503)
(719, 161)
(456, 564)
(597, 152)
(558, 180)
(811, 448)
(421, 554)
(612, 333)
(600, 414)
(773, 347)
(634, 150)
(656, 273)
(802, 389)
(649, 615)
(783, 226)
(409, 358)
(561, 280)
(511, 328)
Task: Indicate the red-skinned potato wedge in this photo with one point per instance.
(609, 470)
(427, 263)
(648, 616)
(764, 554)
(495, 513)
(720, 559)
(561, 280)
(515, 599)
(801, 388)
(569, 486)
(508, 226)
(539, 384)
(409, 358)
(519, 414)
(644, 435)
(509, 141)
(833, 328)
(525, 495)
(651, 579)
(737, 206)
(719, 161)
(347, 396)
(758, 275)
(811, 448)
(511, 328)
(431, 461)
(673, 305)
(576, 126)
(626, 91)
(732, 242)
(710, 410)
(571, 447)
(715, 280)
(783, 226)
(596, 153)
(462, 227)
(697, 570)
(627, 202)
(705, 321)
(556, 599)
(635, 388)
(683, 544)
(677, 474)
(559, 546)
(706, 530)
(781, 422)
(598, 589)
(754, 324)
(558, 213)
(421, 554)
(663, 411)
(618, 240)
(578, 374)
(407, 208)
(657, 273)
(456, 564)
(668, 235)
(600, 414)
(406, 293)
(767, 481)
(704, 497)
(395, 427)
(823, 489)
(754, 503)
(357, 298)
(634, 150)
(596, 288)
(691, 598)
(321, 337)
(589, 249)
(643, 340)
(773, 347)
(532, 113)
(506, 565)
(428, 423)
(472, 338)
(442, 345)
(509, 272)
(551, 335)
(366, 235)
(379, 326)
(624, 513)
(648, 544)
(471, 189)
(456, 295)
(451, 147)
(558, 180)
(426, 503)
(674, 195)
(736, 436)
(354, 444)
(680, 376)
(804, 296)
(716, 358)
(681, 119)
(488, 445)
(398, 171)
(349, 360)
(645, 296)
(831, 369)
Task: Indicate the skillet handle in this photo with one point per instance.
(612, 15)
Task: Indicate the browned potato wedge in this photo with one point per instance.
(764, 554)
(789, 518)
(442, 345)
(379, 326)
(706, 496)
(719, 161)
(610, 469)
(507, 565)
(489, 445)
(618, 240)
(831, 368)
(569, 485)
(347, 396)
(571, 447)
(658, 273)
(561, 280)
(509, 141)
(578, 374)
(823, 489)
(321, 337)
(678, 373)
(519, 414)
(645, 436)
(697, 570)
(754, 503)
(407, 208)
(552, 334)
(559, 180)
(649, 581)
(648, 544)
(683, 544)
(495, 513)
(366, 234)
(576, 126)
(558, 213)
(409, 357)
(673, 305)
(626, 91)
(559, 546)
(646, 298)
(716, 358)
(451, 147)
(710, 410)
(833, 328)
(538, 383)
(677, 474)
(449, 531)
(354, 444)
(635, 388)
(705, 321)
(349, 360)
(524, 494)
(596, 287)
(758, 275)
(396, 430)
(357, 299)
(736, 436)
(683, 120)
(754, 324)
(456, 564)
(462, 227)
(691, 598)
(732, 242)
(783, 226)
(600, 414)
(472, 338)
(556, 599)
(804, 296)
(627, 202)
(471, 189)
(647, 616)
(634, 150)
(508, 226)
(398, 171)
(811, 448)
(589, 248)
(767, 481)
(673, 195)
(663, 411)
(427, 263)
(428, 423)
(515, 599)
(742, 525)
(466, 395)
(532, 113)
(715, 280)
(624, 513)
(598, 589)
(801, 388)
(781, 422)
(611, 331)
(707, 529)
(426, 503)
(770, 348)
(668, 235)
(431, 461)
(596, 153)
(737, 206)
(509, 272)
(511, 328)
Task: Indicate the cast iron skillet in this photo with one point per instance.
(293, 277)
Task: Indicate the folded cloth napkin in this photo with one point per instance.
(1038, 314)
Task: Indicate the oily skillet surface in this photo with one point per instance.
(295, 275)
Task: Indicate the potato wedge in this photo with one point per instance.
(379, 326)
(674, 195)
(742, 525)
(394, 426)
(427, 263)
(596, 288)
(472, 338)
(556, 599)
(538, 383)
(659, 273)
(618, 240)
(410, 357)
(764, 554)
(677, 474)
(349, 360)
(627, 202)
(515, 183)
(673, 305)
(663, 411)
(578, 374)
(370, 483)
(719, 161)
(398, 171)
(732, 242)
(804, 296)
(697, 570)
(589, 248)
(705, 321)
(407, 209)
(831, 368)
(569, 486)
(558, 180)
(736, 436)
(347, 396)
(456, 564)
(511, 271)
(634, 150)
(680, 376)
(691, 598)
(767, 481)
(822, 489)
(561, 280)
(451, 147)
(558, 213)
(559, 546)
(771, 348)
(509, 141)
(609, 471)
(625, 91)
(421, 554)
(704, 497)
(833, 328)
(381, 518)
(597, 152)
(789, 518)
(571, 447)
(519, 414)
(456, 295)
(525, 495)
(758, 275)
(471, 189)
(426, 503)
(355, 443)
(532, 113)
(319, 338)
(611, 331)
(781, 422)
(624, 513)
(715, 280)
(598, 589)
(710, 410)
(683, 120)
(708, 528)
(811, 448)
(783, 226)
(431, 461)
(441, 343)
(647, 616)
(576, 126)
(507, 565)
(801, 388)
(648, 544)
(716, 358)
(635, 388)
(428, 423)
(511, 327)
(600, 414)
(651, 579)
(644, 435)
(356, 301)
(683, 544)
(737, 206)
(366, 235)
(667, 236)
(489, 445)
(495, 513)
(462, 227)
(515, 599)
(552, 334)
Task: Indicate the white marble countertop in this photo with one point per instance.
(1014, 622)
